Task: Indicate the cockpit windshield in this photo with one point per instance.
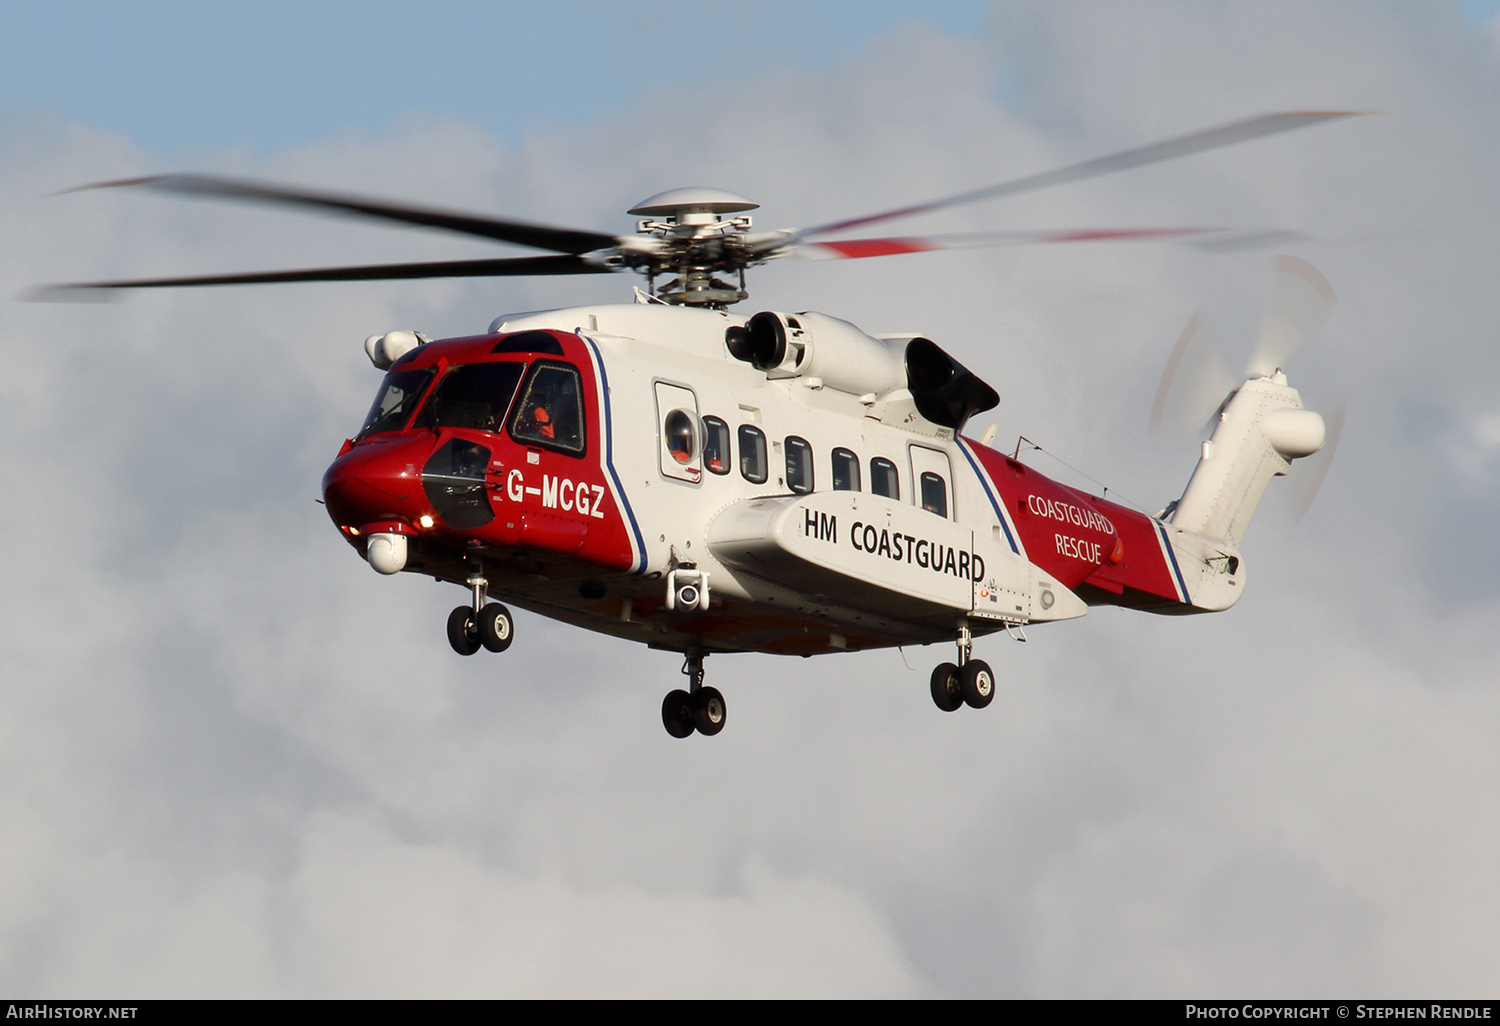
(399, 395)
(474, 395)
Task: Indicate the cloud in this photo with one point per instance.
(235, 761)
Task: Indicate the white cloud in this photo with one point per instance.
(235, 761)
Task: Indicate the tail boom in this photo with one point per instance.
(1195, 566)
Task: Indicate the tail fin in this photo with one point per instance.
(1262, 428)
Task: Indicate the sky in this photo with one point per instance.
(236, 762)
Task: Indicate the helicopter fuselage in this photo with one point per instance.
(621, 469)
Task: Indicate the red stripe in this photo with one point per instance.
(855, 248)
(1121, 233)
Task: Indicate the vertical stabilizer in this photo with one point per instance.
(1262, 427)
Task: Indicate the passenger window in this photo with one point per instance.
(799, 465)
(883, 478)
(934, 494)
(679, 454)
(682, 440)
(550, 413)
(716, 445)
(753, 463)
(845, 471)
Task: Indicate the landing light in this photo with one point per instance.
(424, 520)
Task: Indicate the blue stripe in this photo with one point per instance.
(1172, 559)
(609, 454)
(984, 483)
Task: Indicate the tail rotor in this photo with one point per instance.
(1299, 301)
(1198, 375)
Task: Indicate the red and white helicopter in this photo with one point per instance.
(674, 473)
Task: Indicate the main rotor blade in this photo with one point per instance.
(507, 267)
(559, 240)
(1170, 149)
(856, 249)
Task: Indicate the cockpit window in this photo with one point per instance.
(550, 412)
(399, 395)
(475, 395)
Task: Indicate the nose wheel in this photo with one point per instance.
(480, 624)
(496, 628)
(491, 628)
(463, 631)
(702, 708)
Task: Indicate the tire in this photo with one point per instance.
(976, 681)
(461, 633)
(709, 711)
(945, 693)
(677, 713)
(496, 629)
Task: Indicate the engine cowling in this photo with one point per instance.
(945, 391)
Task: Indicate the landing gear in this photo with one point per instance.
(479, 623)
(496, 628)
(677, 713)
(708, 711)
(977, 683)
(463, 635)
(701, 709)
(969, 682)
(945, 692)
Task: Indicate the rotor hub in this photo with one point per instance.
(692, 241)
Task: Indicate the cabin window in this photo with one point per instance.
(934, 494)
(475, 395)
(679, 453)
(716, 445)
(883, 478)
(799, 465)
(681, 439)
(753, 463)
(398, 397)
(550, 413)
(845, 471)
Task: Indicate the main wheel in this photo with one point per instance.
(708, 711)
(461, 633)
(945, 693)
(496, 629)
(976, 681)
(677, 713)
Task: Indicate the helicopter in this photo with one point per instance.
(675, 473)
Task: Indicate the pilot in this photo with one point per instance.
(541, 417)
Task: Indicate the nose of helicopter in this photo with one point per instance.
(378, 480)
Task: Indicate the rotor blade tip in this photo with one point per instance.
(70, 294)
(114, 183)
